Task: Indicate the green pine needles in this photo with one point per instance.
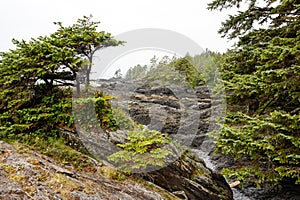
(144, 150)
(262, 76)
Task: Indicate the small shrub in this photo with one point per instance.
(143, 150)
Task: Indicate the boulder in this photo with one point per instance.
(190, 175)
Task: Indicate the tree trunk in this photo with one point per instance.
(77, 86)
(88, 70)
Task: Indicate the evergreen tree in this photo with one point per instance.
(85, 40)
(137, 72)
(262, 77)
(206, 63)
(35, 77)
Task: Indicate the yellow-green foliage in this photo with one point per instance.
(92, 111)
(144, 149)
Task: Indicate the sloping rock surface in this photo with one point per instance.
(25, 174)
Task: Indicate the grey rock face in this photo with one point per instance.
(11, 190)
(168, 109)
(175, 111)
(186, 116)
(25, 174)
(190, 175)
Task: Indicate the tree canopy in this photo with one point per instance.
(262, 78)
(36, 76)
(192, 71)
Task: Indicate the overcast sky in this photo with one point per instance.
(31, 18)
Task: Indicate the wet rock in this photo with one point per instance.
(286, 190)
(146, 89)
(186, 116)
(198, 140)
(119, 136)
(181, 194)
(203, 92)
(190, 175)
(140, 113)
(169, 108)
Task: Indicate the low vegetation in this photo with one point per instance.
(143, 150)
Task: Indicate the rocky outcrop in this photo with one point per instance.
(284, 191)
(189, 177)
(169, 109)
(186, 176)
(185, 115)
(25, 174)
(188, 113)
